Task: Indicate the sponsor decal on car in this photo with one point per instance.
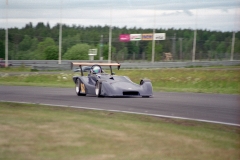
(83, 88)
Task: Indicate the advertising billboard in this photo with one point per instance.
(147, 37)
(144, 37)
(159, 36)
(124, 37)
(135, 37)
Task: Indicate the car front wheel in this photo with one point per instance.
(98, 88)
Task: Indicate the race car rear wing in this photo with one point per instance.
(80, 64)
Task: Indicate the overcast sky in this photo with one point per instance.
(220, 15)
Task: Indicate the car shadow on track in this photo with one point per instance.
(119, 96)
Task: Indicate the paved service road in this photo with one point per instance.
(204, 107)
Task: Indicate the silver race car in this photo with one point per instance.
(102, 84)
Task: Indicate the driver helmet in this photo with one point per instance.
(97, 69)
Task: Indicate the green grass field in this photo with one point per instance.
(202, 80)
(34, 132)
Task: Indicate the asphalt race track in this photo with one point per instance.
(217, 108)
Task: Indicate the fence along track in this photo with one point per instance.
(65, 64)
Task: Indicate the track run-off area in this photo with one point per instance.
(213, 108)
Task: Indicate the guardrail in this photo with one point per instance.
(65, 64)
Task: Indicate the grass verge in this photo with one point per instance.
(202, 80)
(37, 132)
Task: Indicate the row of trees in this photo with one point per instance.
(41, 42)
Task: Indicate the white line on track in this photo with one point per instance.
(155, 115)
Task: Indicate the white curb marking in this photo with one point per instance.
(155, 115)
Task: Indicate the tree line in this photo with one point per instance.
(41, 42)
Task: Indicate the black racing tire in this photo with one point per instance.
(98, 89)
(78, 88)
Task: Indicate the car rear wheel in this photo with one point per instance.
(80, 88)
(98, 88)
